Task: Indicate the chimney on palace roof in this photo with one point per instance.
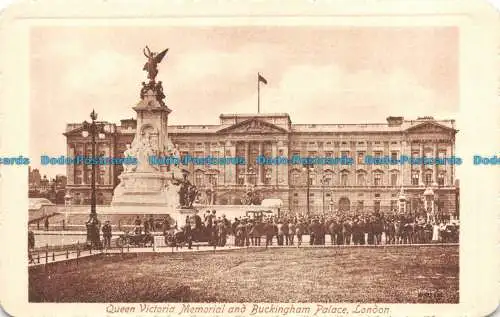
(395, 121)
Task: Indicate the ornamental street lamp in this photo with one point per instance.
(323, 183)
(93, 129)
(308, 167)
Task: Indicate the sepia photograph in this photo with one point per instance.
(229, 158)
(244, 164)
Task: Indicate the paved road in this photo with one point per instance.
(41, 258)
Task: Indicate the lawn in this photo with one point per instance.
(387, 275)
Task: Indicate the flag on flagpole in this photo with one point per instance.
(262, 79)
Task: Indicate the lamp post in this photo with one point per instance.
(436, 207)
(93, 129)
(323, 183)
(308, 167)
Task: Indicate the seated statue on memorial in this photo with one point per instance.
(129, 152)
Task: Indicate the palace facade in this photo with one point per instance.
(358, 187)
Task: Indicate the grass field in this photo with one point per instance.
(388, 275)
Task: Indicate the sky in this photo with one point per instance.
(315, 74)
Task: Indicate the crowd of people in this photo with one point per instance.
(345, 230)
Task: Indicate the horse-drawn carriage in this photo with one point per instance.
(197, 233)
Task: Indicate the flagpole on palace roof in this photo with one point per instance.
(258, 92)
(260, 78)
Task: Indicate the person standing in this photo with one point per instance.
(347, 231)
(106, 234)
(152, 226)
(299, 231)
(46, 224)
(146, 225)
(370, 227)
(137, 224)
(221, 233)
(269, 229)
(291, 232)
(286, 231)
(280, 234)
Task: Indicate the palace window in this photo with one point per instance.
(360, 205)
(415, 178)
(212, 179)
(361, 179)
(327, 179)
(295, 178)
(377, 154)
(377, 179)
(100, 177)
(267, 176)
(394, 155)
(252, 179)
(394, 205)
(427, 152)
(394, 179)
(377, 205)
(241, 180)
(441, 179)
(198, 178)
(343, 179)
(361, 157)
(328, 154)
(428, 178)
(199, 153)
(312, 179)
(344, 154)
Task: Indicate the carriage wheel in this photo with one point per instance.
(120, 242)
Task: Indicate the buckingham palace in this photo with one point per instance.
(318, 189)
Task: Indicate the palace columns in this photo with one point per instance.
(435, 167)
(422, 175)
(274, 167)
(260, 167)
(449, 167)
